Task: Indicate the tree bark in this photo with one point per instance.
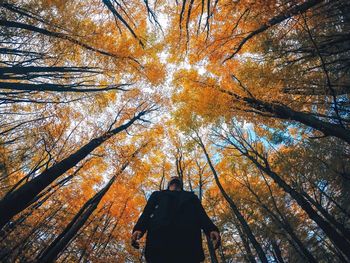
(281, 220)
(274, 21)
(235, 209)
(21, 198)
(14, 24)
(61, 241)
(338, 240)
(286, 113)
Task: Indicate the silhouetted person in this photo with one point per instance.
(173, 219)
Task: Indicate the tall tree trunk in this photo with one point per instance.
(277, 251)
(62, 240)
(21, 198)
(295, 10)
(341, 228)
(213, 257)
(37, 202)
(249, 254)
(338, 240)
(281, 220)
(222, 255)
(58, 245)
(234, 208)
(59, 35)
(286, 113)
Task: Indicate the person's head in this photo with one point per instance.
(175, 183)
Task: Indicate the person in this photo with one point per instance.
(173, 219)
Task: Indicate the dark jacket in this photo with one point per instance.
(174, 226)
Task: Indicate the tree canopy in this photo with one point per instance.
(102, 101)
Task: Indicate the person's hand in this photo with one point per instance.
(136, 236)
(215, 238)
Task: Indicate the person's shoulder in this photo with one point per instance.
(184, 192)
(188, 192)
(163, 191)
(154, 193)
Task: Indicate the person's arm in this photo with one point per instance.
(142, 223)
(209, 228)
(206, 224)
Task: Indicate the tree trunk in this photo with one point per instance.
(297, 9)
(245, 242)
(277, 251)
(235, 209)
(21, 198)
(332, 233)
(286, 113)
(284, 224)
(62, 240)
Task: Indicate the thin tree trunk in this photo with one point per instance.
(235, 209)
(277, 251)
(297, 9)
(344, 231)
(61, 241)
(213, 258)
(59, 244)
(284, 224)
(331, 232)
(286, 113)
(14, 24)
(245, 242)
(21, 198)
(20, 86)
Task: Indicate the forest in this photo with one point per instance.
(247, 101)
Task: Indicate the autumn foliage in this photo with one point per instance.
(102, 101)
